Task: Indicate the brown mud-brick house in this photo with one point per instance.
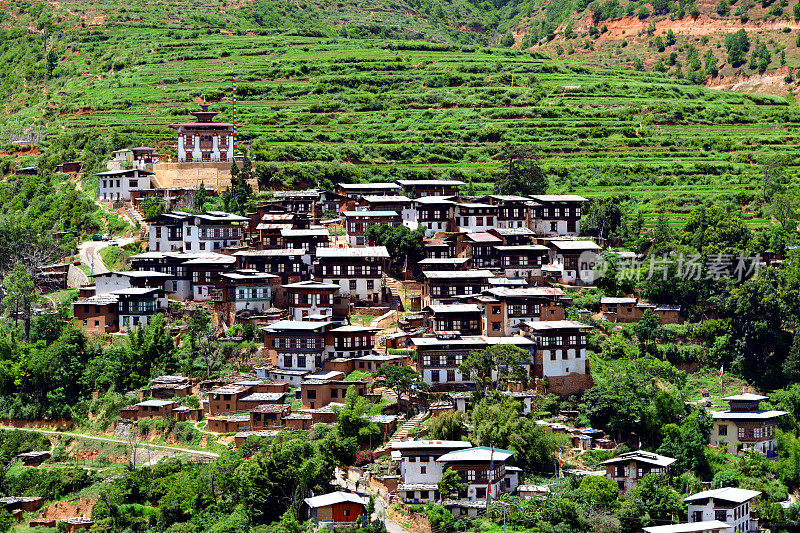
(357, 222)
(97, 315)
(318, 393)
(269, 416)
(424, 188)
(335, 508)
(229, 423)
(165, 387)
(559, 355)
(298, 421)
(745, 426)
(627, 469)
(224, 400)
(76, 524)
(506, 308)
(311, 298)
(256, 399)
(445, 287)
(557, 214)
(357, 271)
(630, 310)
(464, 318)
(17, 505)
(155, 409)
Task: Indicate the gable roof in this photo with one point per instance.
(641, 457)
(728, 494)
(480, 453)
(332, 498)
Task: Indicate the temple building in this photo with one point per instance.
(204, 139)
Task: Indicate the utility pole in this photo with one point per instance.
(489, 484)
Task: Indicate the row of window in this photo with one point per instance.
(442, 360)
(252, 293)
(312, 299)
(574, 212)
(351, 270)
(287, 343)
(561, 340)
(453, 290)
(766, 432)
(464, 221)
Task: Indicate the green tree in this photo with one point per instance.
(652, 501)
(237, 197)
(711, 64)
(201, 198)
(494, 366)
(524, 174)
(599, 491)
(400, 378)
(647, 328)
(791, 365)
(737, 44)
(21, 295)
(497, 420)
(448, 426)
(353, 421)
(450, 485)
(403, 244)
(52, 62)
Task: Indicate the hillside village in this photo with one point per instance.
(419, 266)
(438, 350)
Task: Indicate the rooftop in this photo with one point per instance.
(455, 308)
(363, 251)
(448, 274)
(440, 183)
(559, 198)
(264, 397)
(728, 494)
(524, 292)
(546, 325)
(575, 245)
(332, 498)
(370, 214)
(481, 453)
(642, 457)
(690, 527)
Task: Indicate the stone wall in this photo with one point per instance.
(571, 384)
(213, 175)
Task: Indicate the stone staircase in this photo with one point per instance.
(404, 432)
(135, 215)
(396, 290)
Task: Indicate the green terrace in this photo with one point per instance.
(380, 109)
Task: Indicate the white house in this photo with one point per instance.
(729, 505)
(117, 185)
(712, 526)
(204, 232)
(473, 466)
(357, 271)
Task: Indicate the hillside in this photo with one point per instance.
(318, 107)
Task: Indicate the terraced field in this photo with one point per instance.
(316, 110)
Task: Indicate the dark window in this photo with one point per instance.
(311, 395)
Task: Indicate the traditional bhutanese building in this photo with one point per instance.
(204, 139)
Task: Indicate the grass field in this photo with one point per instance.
(318, 110)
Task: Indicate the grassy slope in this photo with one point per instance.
(375, 108)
